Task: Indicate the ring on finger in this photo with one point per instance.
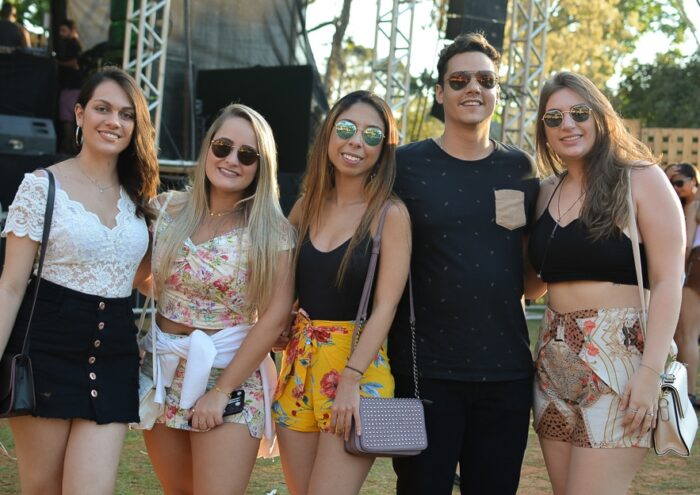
(649, 413)
(634, 411)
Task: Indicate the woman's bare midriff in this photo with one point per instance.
(169, 326)
(565, 297)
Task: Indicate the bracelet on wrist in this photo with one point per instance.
(660, 375)
(228, 395)
(361, 373)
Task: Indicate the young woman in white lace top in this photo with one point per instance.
(82, 343)
(221, 264)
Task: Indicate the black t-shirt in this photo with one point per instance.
(469, 219)
(69, 49)
(11, 34)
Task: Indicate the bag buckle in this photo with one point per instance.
(668, 378)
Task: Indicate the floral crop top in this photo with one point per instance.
(207, 284)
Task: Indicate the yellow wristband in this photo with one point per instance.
(221, 391)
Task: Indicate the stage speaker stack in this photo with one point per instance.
(26, 136)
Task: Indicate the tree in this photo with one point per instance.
(662, 94)
(592, 37)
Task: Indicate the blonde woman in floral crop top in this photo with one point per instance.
(221, 266)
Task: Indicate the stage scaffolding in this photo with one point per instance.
(148, 20)
(393, 37)
(526, 59)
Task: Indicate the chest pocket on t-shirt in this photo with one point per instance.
(510, 208)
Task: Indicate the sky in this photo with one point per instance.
(426, 43)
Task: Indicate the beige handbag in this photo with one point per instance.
(391, 427)
(676, 422)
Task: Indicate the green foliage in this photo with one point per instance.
(32, 12)
(592, 37)
(662, 94)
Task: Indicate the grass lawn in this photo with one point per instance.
(660, 475)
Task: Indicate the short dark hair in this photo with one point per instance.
(467, 42)
(6, 9)
(69, 23)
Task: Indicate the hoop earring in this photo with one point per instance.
(78, 136)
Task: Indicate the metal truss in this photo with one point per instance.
(526, 59)
(148, 21)
(391, 72)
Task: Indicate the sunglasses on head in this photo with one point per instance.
(487, 79)
(554, 118)
(680, 182)
(372, 136)
(221, 148)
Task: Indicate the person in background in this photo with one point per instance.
(471, 200)
(222, 272)
(347, 187)
(68, 49)
(597, 375)
(83, 339)
(12, 34)
(684, 177)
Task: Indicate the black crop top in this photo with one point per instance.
(565, 254)
(316, 285)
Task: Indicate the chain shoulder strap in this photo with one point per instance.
(361, 318)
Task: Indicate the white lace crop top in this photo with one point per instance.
(82, 254)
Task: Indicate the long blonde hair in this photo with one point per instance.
(318, 179)
(604, 209)
(266, 223)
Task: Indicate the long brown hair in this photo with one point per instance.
(318, 178)
(604, 209)
(137, 165)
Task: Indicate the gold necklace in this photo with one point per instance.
(222, 213)
(97, 184)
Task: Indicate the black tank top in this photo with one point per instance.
(566, 254)
(317, 290)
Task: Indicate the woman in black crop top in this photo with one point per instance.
(348, 182)
(597, 377)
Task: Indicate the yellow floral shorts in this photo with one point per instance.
(315, 356)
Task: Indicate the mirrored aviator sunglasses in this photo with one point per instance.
(579, 113)
(459, 80)
(372, 136)
(221, 148)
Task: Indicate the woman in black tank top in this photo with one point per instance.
(597, 375)
(346, 198)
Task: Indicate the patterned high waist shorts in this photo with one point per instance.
(315, 356)
(583, 362)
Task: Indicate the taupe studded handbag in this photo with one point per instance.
(391, 427)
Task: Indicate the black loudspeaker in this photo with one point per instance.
(485, 16)
(280, 94)
(29, 85)
(26, 136)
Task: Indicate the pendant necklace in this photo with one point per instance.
(97, 184)
(560, 215)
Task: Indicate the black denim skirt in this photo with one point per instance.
(84, 354)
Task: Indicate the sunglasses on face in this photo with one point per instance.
(487, 79)
(372, 136)
(554, 118)
(680, 182)
(221, 148)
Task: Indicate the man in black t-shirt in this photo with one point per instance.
(471, 200)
